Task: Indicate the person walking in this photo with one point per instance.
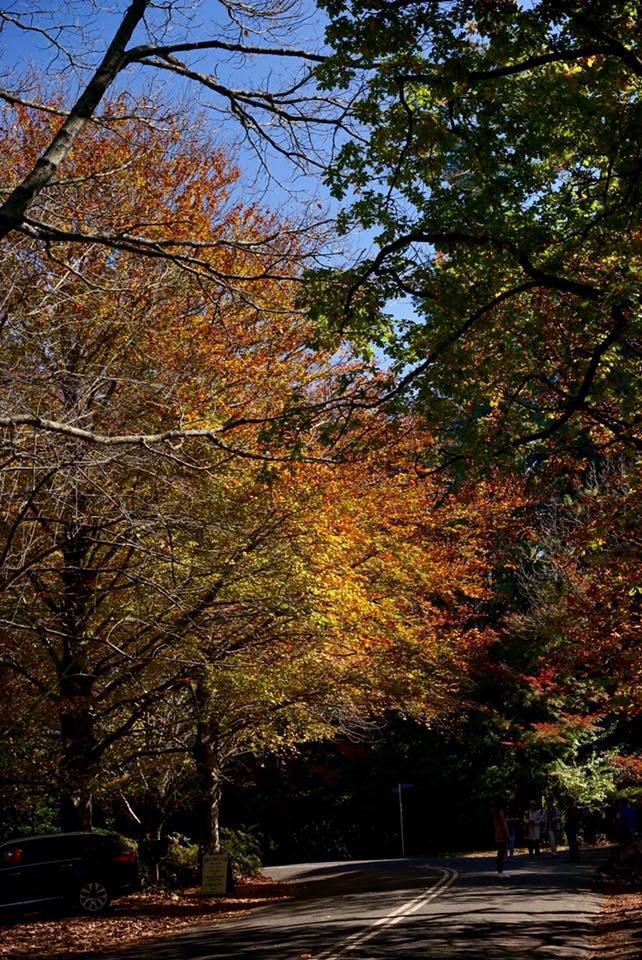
(532, 828)
(513, 821)
(625, 821)
(502, 835)
(552, 825)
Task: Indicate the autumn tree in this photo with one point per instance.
(555, 695)
(500, 176)
(579, 578)
(281, 114)
(112, 552)
(370, 599)
(137, 574)
(173, 45)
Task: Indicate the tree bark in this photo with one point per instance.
(208, 771)
(76, 809)
(78, 761)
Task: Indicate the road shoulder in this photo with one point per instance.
(618, 928)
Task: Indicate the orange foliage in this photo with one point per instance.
(212, 340)
(393, 566)
(400, 566)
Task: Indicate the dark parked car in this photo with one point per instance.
(86, 870)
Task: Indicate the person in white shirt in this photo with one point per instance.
(533, 828)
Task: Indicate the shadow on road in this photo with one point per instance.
(538, 913)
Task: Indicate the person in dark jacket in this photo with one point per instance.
(625, 821)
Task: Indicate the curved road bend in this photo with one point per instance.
(412, 909)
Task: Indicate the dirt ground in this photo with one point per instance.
(618, 929)
(132, 920)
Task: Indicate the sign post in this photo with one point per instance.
(214, 874)
(400, 789)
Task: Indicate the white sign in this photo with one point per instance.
(214, 877)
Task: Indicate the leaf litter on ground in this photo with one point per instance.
(137, 918)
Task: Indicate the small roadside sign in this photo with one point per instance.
(214, 874)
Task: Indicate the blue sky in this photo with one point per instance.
(84, 29)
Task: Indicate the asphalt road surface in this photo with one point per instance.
(412, 909)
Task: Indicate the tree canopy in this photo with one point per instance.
(499, 172)
(259, 490)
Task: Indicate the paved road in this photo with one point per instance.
(411, 909)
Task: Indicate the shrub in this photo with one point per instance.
(244, 850)
(180, 867)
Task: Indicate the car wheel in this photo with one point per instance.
(93, 897)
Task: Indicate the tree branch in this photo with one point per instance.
(147, 50)
(145, 440)
(13, 210)
(577, 400)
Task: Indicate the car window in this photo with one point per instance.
(78, 846)
(41, 851)
(63, 847)
(96, 845)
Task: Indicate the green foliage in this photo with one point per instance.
(244, 849)
(180, 867)
(348, 304)
(632, 794)
(500, 175)
(41, 816)
(498, 780)
(126, 841)
(591, 784)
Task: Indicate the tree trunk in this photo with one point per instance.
(152, 818)
(209, 791)
(208, 772)
(77, 765)
(152, 815)
(79, 761)
(76, 809)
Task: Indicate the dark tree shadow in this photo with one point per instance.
(532, 916)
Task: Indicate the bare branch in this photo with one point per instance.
(13, 209)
